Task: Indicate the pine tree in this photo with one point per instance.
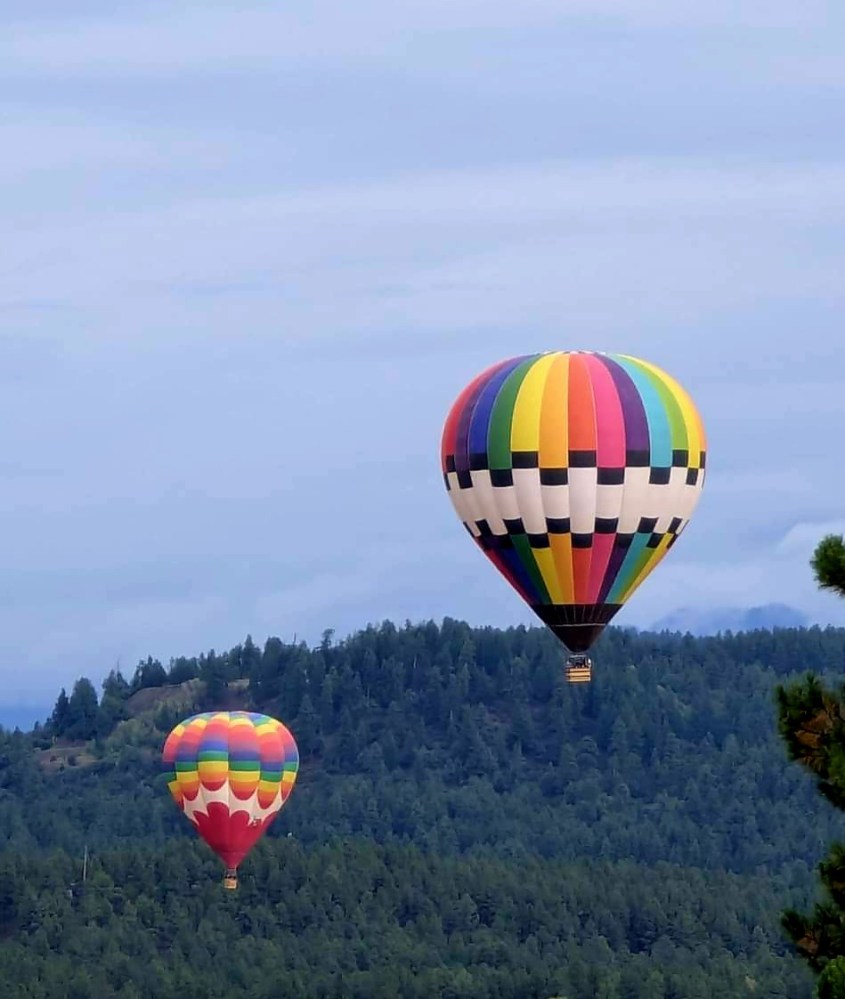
(81, 718)
(811, 720)
(59, 717)
(213, 672)
(828, 564)
(149, 674)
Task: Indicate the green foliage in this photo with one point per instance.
(81, 716)
(59, 718)
(812, 724)
(465, 824)
(214, 673)
(149, 674)
(355, 919)
(828, 564)
(182, 670)
(116, 686)
(811, 721)
(832, 981)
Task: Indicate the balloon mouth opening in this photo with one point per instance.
(578, 626)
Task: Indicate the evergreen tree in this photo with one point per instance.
(828, 564)
(250, 658)
(58, 719)
(465, 824)
(149, 674)
(116, 685)
(811, 719)
(182, 670)
(214, 672)
(82, 710)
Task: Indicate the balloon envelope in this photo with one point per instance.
(230, 772)
(575, 472)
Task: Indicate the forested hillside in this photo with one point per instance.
(465, 824)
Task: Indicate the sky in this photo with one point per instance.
(253, 251)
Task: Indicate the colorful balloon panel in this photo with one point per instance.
(231, 772)
(575, 473)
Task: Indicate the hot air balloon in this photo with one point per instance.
(230, 772)
(575, 472)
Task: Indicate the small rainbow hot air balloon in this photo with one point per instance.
(575, 472)
(230, 772)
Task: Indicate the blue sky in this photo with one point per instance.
(253, 252)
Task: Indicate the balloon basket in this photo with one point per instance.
(230, 880)
(579, 669)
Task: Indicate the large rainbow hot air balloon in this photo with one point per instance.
(575, 472)
(230, 772)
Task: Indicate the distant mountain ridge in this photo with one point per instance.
(683, 619)
(721, 619)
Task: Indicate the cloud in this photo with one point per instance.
(588, 244)
(257, 35)
(642, 189)
(254, 252)
(778, 572)
(50, 145)
(802, 538)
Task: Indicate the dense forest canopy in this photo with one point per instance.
(464, 824)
